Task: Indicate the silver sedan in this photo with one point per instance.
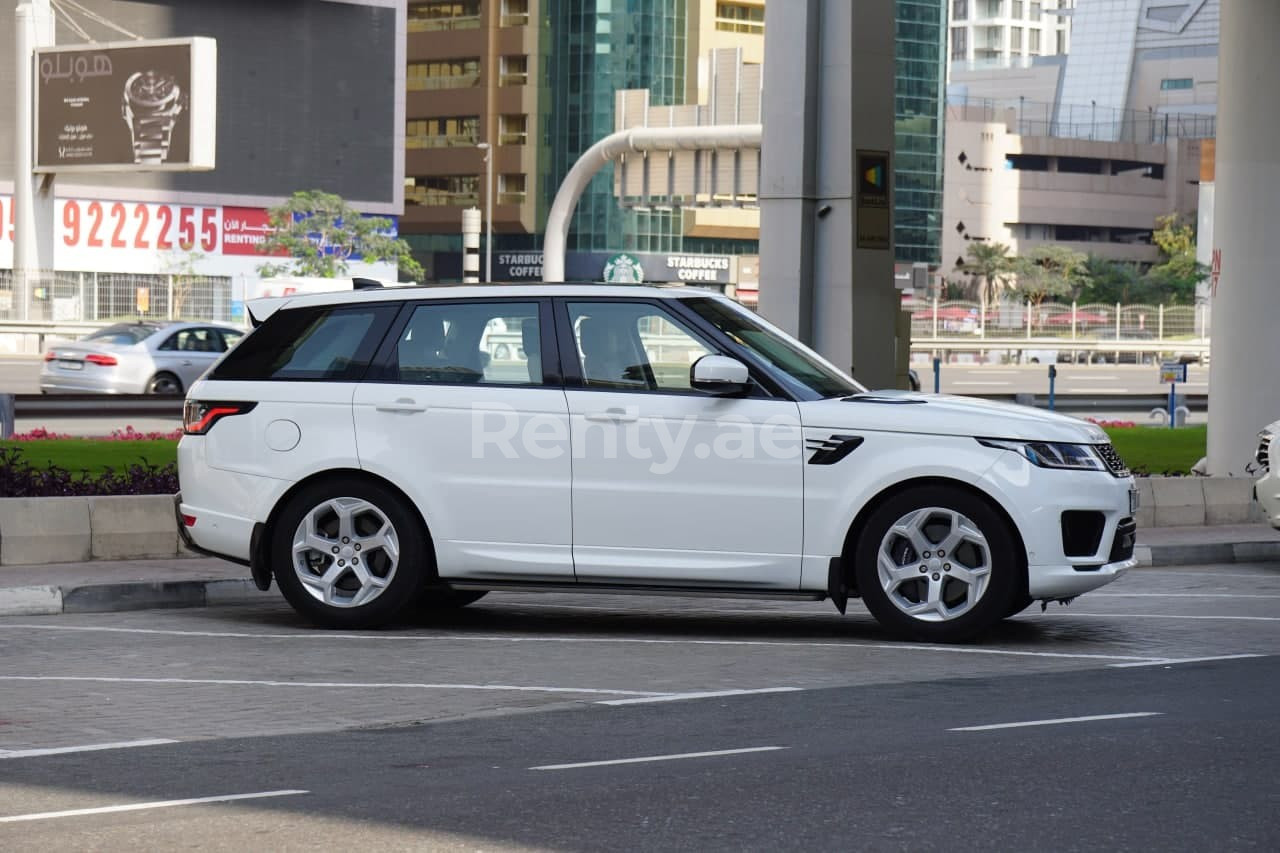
(136, 358)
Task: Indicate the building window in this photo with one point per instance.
(513, 70)
(443, 74)
(1015, 39)
(1062, 42)
(442, 190)
(959, 43)
(993, 8)
(1035, 10)
(515, 13)
(959, 10)
(511, 189)
(1016, 10)
(443, 132)
(1033, 39)
(1170, 84)
(740, 18)
(512, 130)
(444, 15)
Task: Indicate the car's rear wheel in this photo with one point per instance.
(937, 563)
(349, 554)
(435, 600)
(164, 383)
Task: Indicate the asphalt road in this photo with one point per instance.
(1145, 720)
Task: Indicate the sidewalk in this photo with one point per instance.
(104, 586)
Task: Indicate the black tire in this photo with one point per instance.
(374, 505)
(164, 383)
(437, 600)
(990, 600)
(1018, 604)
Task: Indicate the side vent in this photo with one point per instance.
(829, 451)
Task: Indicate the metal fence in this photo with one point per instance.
(76, 297)
(1077, 121)
(965, 320)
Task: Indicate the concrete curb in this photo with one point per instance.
(132, 595)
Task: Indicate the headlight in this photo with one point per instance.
(1052, 454)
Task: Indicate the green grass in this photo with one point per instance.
(1152, 450)
(94, 455)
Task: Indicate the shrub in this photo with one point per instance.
(18, 479)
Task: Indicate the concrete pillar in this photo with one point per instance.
(825, 275)
(1244, 382)
(33, 199)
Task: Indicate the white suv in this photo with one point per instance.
(362, 449)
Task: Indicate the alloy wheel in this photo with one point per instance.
(934, 564)
(345, 552)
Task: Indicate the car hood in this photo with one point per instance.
(943, 414)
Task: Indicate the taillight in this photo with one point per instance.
(199, 417)
(50, 356)
(101, 360)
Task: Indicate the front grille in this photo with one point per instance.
(1112, 459)
(1126, 538)
(1264, 452)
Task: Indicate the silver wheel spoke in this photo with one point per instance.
(946, 589)
(346, 580)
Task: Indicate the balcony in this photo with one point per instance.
(440, 198)
(460, 81)
(429, 25)
(444, 141)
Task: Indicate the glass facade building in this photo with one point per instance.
(591, 49)
(920, 48)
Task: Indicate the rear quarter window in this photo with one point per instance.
(324, 343)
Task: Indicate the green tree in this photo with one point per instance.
(1174, 279)
(1108, 281)
(320, 232)
(991, 265)
(1049, 271)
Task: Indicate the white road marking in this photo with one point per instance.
(658, 758)
(92, 747)
(1091, 378)
(1179, 595)
(235, 682)
(158, 804)
(996, 382)
(463, 638)
(1173, 661)
(1172, 616)
(1056, 722)
(711, 694)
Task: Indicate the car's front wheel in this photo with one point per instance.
(349, 553)
(164, 383)
(937, 563)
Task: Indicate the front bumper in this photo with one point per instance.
(1267, 491)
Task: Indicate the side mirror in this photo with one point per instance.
(720, 375)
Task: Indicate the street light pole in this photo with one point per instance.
(488, 211)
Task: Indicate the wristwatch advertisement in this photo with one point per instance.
(152, 103)
(135, 106)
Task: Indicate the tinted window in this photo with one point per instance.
(126, 334)
(194, 340)
(804, 371)
(470, 343)
(334, 343)
(633, 345)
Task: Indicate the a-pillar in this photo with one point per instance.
(1244, 372)
(826, 255)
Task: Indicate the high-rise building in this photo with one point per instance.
(985, 33)
(918, 107)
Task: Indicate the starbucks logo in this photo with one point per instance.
(623, 269)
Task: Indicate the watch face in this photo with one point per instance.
(151, 90)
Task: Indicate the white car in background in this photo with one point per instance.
(1267, 488)
(135, 358)
(366, 451)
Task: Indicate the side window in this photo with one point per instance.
(633, 346)
(332, 343)
(230, 338)
(193, 340)
(493, 343)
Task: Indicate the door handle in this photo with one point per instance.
(402, 404)
(186, 363)
(613, 416)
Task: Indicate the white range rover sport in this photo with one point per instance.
(382, 449)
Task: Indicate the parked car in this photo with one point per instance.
(1103, 356)
(362, 450)
(1267, 487)
(136, 358)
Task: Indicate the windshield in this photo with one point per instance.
(125, 334)
(807, 374)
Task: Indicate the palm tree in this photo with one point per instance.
(991, 263)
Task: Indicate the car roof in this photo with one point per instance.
(263, 308)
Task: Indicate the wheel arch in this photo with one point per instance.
(847, 553)
(260, 558)
(182, 389)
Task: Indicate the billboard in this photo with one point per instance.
(130, 106)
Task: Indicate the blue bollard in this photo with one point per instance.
(1172, 403)
(937, 375)
(1053, 378)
